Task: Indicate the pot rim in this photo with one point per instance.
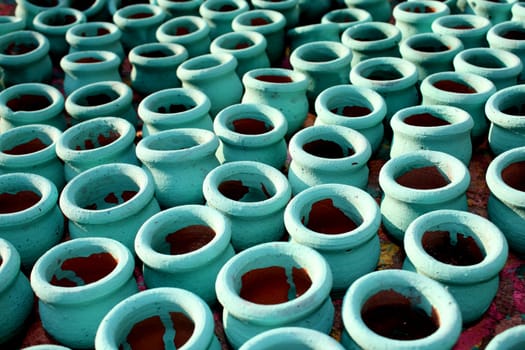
(495, 183)
(109, 60)
(494, 105)
(494, 34)
(56, 105)
(342, 56)
(407, 50)
(203, 30)
(193, 70)
(39, 21)
(207, 12)
(482, 85)
(239, 22)
(401, 13)
(481, 25)
(299, 80)
(177, 55)
(79, 111)
(513, 65)
(407, 69)
(10, 267)
(75, 39)
(510, 337)
(392, 33)
(259, 44)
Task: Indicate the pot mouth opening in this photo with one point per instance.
(332, 147)
(29, 102)
(330, 215)
(179, 239)
(91, 30)
(343, 17)
(348, 106)
(60, 19)
(203, 62)
(97, 136)
(423, 175)
(427, 119)
(255, 20)
(247, 187)
(16, 200)
(512, 33)
(461, 24)
(181, 28)
(97, 97)
(418, 8)
(17, 144)
(236, 43)
(20, 46)
(383, 72)
(250, 124)
(369, 32)
(428, 44)
(44, 3)
(485, 60)
(320, 54)
(223, 6)
(181, 105)
(455, 85)
(512, 175)
(81, 5)
(180, 143)
(158, 52)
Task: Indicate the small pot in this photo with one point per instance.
(220, 14)
(192, 32)
(509, 339)
(380, 10)
(90, 36)
(509, 36)
(470, 29)
(416, 16)
(138, 23)
(292, 337)
(27, 9)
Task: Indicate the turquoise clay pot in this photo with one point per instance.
(292, 337)
(180, 8)
(178, 160)
(170, 313)
(372, 39)
(434, 243)
(284, 89)
(470, 29)
(509, 36)
(312, 33)
(248, 192)
(509, 339)
(192, 32)
(437, 326)
(110, 200)
(325, 64)
(82, 68)
(31, 103)
(16, 296)
(24, 58)
(101, 99)
(380, 10)
(154, 66)
(138, 23)
(432, 127)
(252, 305)
(497, 12)
(467, 91)
(219, 14)
(418, 182)
(499, 66)
(346, 17)
(340, 222)
(252, 132)
(31, 149)
(10, 24)
(506, 207)
(323, 154)
(30, 220)
(185, 247)
(102, 140)
(361, 109)
(27, 9)
(507, 125)
(518, 11)
(77, 283)
(416, 17)
(89, 36)
(290, 9)
(213, 74)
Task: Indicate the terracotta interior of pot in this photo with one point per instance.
(223, 6)
(320, 54)
(512, 175)
(250, 124)
(516, 33)
(423, 176)
(60, 19)
(417, 8)
(343, 17)
(91, 31)
(455, 85)
(247, 187)
(259, 20)
(485, 60)
(181, 238)
(81, 5)
(236, 43)
(20, 46)
(348, 106)
(275, 78)
(99, 97)
(159, 52)
(457, 23)
(44, 3)
(331, 147)
(382, 72)
(203, 62)
(96, 136)
(16, 200)
(181, 28)
(368, 33)
(331, 215)
(19, 144)
(106, 192)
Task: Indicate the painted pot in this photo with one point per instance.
(31, 149)
(172, 313)
(269, 23)
(281, 88)
(311, 33)
(82, 68)
(248, 192)
(101, 99)
(30, 220)
(509, 36)
(219, 14)
(323, 154)
(252, 305)
(251, 132)
(27, 9)
(499, 66)
(10, 23)
(497, 12)
(180, 8)
(212, 74)
(509, 339)
(138, 23)
(24, 58)
(290, 9)
(470, 29)
(463, 251)
(192, 32)
(432, 127)
(248, 47)
(372, 39)
(178, 160)
(507, 127)
(416, 17)
(91, 36)
(110, 200)
(102, 140)
(154, 66)
(506, 207)
(77, 283)
(380, 10)
(361, 109)
(54, 23)
(175, 108)
(291, 337)
(372, 299)
(431, 52)
(341, 223)
(31, 103)
(16, 296)
(418, 182)
(346, 17)
(324, 63)
(185, 247)
(467, 91)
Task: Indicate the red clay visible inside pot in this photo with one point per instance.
(514, 34)
(352, 111)
(423, 178)
(269, 285)
(227, 8)
(384, 74)
(89, 269)
(327, 149)
(140, 15)
(101, 141)
(259, 21)
(61, 21)
(425, 119)
(99, 32)
(155, 54)
(420, 9)
(517, 110)
(325, 217)
(28, 102)
(243, 45)
(44, 3)
(371, 34)
(465, 26)
(189, 239)
(31, 146)
(393, 315)
(251, 126)
(463, 252)
(89, 60)
(454, 86)
(14, 49)
(237, 191)
(274, 78)
(15, 202)
(175, 108)
(113, 199)
(514, 175)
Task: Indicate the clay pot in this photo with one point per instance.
(346, 17)
(104, 36)
(380, 10)
(77, 283)
(192, 32)
(292, 337)
(290, 9)
(509, 36)
(416, 16)
(497, 12)
(463, 251)
(138, 23)
(508, 339)
(219, 14)
(470, 29)
(252, 304)
(185, 247)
